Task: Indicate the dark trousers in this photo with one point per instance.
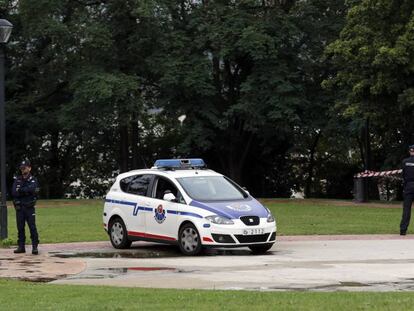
(408, 201)
(24, 215)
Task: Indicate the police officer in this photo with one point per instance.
(24, 191)
(408, 176)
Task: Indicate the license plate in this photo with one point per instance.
(253, 231)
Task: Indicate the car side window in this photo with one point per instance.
(137, 184)
(163, 186)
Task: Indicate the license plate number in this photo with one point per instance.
(253, 231)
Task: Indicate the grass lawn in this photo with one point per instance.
(17, 295)
(296, 217)
(81, 220)
(64, 221)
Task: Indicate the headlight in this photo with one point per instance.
(270, 217)
(219, 220)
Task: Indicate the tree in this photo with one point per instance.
(229, 67)
(374, 58)
(72, 59)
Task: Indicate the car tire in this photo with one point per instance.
(261, 248)
(118, 234)
(189, 240)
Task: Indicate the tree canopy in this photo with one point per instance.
(274, 93)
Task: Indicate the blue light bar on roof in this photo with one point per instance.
(179, 163)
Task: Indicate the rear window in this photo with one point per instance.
(137, 184)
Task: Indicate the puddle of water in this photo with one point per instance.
(152, 252)
(352, 284)
(150, 269)
(326, 287)
(227, 252)
(37, 279)
(134, 254)
(125, 270)
(111, 273)
(147, 252)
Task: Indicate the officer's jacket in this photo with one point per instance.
(25, 191)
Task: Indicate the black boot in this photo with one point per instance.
(20, 250)
(35, 251)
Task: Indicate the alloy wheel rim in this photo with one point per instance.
(117, 233)
(189, 239)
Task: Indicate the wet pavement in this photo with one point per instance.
(317, 263)
(40, 268)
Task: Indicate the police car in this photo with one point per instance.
(180, 201)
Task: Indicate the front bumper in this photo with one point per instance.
(235, 235)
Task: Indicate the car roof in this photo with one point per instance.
(179, 173)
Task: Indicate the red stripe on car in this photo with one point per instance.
(150, 236)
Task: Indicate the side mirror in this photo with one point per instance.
(168, 196)
(245, 190)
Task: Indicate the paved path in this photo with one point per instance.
(317, 263)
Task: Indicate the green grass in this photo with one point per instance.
(17, 295)
(309, 217)
(64, 221)
(81, 220)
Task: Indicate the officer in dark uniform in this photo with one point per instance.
(24, 191)
(408, 176)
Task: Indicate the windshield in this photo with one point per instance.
(211, 188)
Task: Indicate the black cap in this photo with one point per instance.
(25, 163)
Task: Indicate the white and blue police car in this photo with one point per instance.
(180, 201)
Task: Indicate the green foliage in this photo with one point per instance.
(96, 87)
(374, 57)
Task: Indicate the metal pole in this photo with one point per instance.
(3, 204)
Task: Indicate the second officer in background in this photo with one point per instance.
(408, 177)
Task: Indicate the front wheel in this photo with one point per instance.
(189, 240)
(118, 234)
(261, 248)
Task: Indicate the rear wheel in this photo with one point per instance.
(261, 248)
(118, 234)
(189, 240)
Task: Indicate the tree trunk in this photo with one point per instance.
(134, 142)
(55, 184)
(308, 184)
(237, 156)
(123, 148)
